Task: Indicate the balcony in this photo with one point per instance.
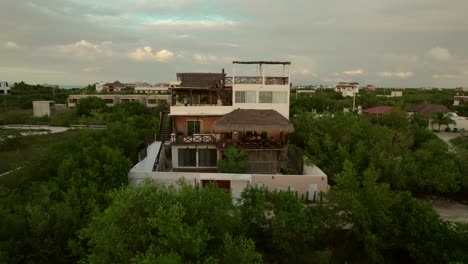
(257, 80)
(195, 139)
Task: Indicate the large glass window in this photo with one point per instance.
(245, 97)
(266, 97)
(187, 157)
(207, 158)
(193, 127)
(273, 97)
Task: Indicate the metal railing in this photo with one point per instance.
(257, 144)
(257, 80)
(197, 138)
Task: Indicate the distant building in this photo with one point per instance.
(113, 99)
(308, 92)
(99, 86)
(370, 88)
(46, 108)
(347, 89)
(47, 85)
(109, 87)
(426, 109)
(396, 94)
(460, 99)
(462, 89)
(4, 88)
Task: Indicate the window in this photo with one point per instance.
(152, 101)
(193, 127)
(245, 97)
(266, 97)
(207, 157)
(273, 97)
(187, 157)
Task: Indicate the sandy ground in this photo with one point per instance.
(446, 136)
(450, 210)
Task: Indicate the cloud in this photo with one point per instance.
(82, 50)
(401, 75)
(445, 76)
(146, 54)
(11, 45)
(92, 69)
(354, 72)
(440, 54)
(195, 25)
(207, 59)
(224, 44)
(204, 59)
(29, 70)
(183, 36)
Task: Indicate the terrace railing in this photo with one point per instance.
(257, 144)
(197, 138)
(257, 80)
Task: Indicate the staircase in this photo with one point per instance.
(165, 125)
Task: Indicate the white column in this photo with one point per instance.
(233, 77)
(263, 74)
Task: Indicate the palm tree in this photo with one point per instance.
(441, 118)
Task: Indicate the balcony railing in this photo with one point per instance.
(257, 144)
(257, 80)
(197, 138)
(276, 80)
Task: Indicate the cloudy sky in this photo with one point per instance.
(398, 43)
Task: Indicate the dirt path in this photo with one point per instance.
(450, 210)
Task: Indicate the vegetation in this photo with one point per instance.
(403, 153)
(441, 118)
(70, 201)
(234, 161)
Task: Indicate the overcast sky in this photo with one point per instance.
(391, 43)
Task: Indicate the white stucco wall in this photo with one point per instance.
(282, 108)
(42, 108)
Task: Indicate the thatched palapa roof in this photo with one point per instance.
(198, 80)
(426, 109)
(252, 120)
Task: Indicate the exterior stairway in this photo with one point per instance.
(165, 125)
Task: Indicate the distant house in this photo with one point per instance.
(109, 87)
(308, 92)
(370, 88)
(395, 94)
(460, 99)
(99, 86)
(347, 89)
(425, 109)
(376, 111)
(4, 88)
(462, 89)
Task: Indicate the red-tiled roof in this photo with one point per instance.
(379, 110)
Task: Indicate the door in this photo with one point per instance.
(193, 127)
(223, 184)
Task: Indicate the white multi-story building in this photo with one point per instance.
(4, 88)
(211, 113)
(347, 89)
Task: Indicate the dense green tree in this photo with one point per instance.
(391, 226)
(154, 222)
(441, 118)
(234, 161)
(86, 106)
(403, 153)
